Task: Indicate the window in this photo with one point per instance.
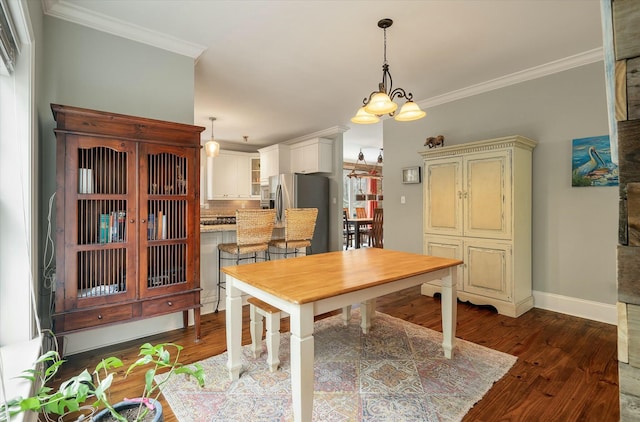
(18, 268)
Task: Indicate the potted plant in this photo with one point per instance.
(71, 394)
(84, 387)
(159, 362)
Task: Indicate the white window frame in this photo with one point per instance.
(19, 337)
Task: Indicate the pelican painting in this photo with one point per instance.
(592, 165)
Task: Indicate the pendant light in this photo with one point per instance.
(212, 148)
(380, 102)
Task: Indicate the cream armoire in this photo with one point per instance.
(477, 208)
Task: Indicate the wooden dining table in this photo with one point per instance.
(312, 285)
(357, 223)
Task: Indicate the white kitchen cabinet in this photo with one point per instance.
(230, 176)
(274, 160)
(312, 156)
(477, 207)
(255, 176)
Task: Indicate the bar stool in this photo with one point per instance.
(300, 223)
(254, 228)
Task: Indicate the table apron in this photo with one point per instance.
(342, 300)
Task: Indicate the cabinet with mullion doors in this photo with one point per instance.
(127, 219)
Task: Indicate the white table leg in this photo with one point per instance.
(449, 312)
(367, 310)
(302, 343)
(346, 315)
(273, 340)
(234, 328)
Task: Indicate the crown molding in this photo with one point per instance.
(577, 60)
(329, 133)
(63, 10)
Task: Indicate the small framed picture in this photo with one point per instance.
(411, 175)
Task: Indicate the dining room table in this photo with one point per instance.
(312, 285)
(357, 224)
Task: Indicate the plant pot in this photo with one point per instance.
(154, 415)
(84, 413)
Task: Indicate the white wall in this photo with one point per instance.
(91, 69)
(574, 229)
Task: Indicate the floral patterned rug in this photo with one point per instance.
(397, 372)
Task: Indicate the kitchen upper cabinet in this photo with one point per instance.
(274, 160)
(312, 156)
(477, 208)
(255, 177)
(231, 176)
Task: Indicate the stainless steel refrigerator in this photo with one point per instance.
(304, 191)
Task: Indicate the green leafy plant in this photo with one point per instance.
(77, 390)
(71, 394)
(159, 358)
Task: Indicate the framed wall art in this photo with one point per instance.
(591, 163)
(411, 175)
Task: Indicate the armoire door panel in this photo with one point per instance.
(486, 196)
(446, 247)
(443, 190)
(487, 270)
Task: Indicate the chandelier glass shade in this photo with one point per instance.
(364, 118)
(212, 148)
(410, 111)
(380, 102)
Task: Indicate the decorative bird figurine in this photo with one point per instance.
(590, 165)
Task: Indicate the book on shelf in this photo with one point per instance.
(159, 226)
(104, 228)
(164, 226)
(122, 216)
(113, 226)
(151, 227)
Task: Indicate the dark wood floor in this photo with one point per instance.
(566, 368)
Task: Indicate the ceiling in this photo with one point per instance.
(278, 71)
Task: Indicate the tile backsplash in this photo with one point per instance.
(226, 207)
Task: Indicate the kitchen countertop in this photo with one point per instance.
(217, 228)
(228, 228)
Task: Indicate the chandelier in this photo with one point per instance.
(380, 102)
(212, 148)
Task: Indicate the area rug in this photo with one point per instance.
(397, 372)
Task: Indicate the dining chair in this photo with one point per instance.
(347, 229)
(254, 228)
(299, 226)
(376, 228)
(365, 230)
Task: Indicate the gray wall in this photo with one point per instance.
(574, 229)
(86, 68)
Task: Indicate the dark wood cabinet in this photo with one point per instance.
(128, 218)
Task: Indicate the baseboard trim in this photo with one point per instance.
(596, 311)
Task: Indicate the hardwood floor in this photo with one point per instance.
(567, 367)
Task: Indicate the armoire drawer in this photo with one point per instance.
(96, 317)
(168, 304)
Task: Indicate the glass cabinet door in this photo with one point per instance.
(101, 234)
(166, 253)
